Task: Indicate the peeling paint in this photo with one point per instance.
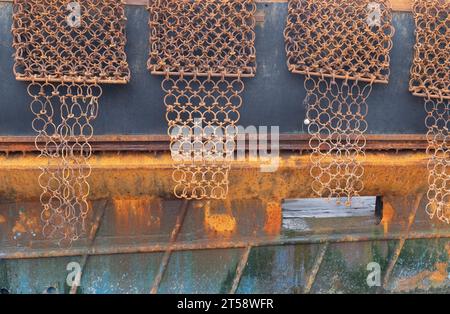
(425, 280)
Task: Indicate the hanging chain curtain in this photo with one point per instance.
(203, 49)
(342, 48)
(66, 49)
(430, 79)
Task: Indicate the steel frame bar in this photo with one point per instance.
(240, 269)
(207, 244)
(160, 143)
(401, 242)
(168, 253)
(91, 239)
(318, 262)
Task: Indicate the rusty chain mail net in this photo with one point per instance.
(342, 48)
(203, 48)
(65, 56)
(430, 78)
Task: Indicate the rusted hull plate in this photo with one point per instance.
(136, 231)
(116, 175)
(422, 268)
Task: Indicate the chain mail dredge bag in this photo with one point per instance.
(65, 49)
(430, 79)
(342, 47)
(203, 48)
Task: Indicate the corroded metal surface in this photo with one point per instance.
(278, 262)
(213, 237)
(118, 174)
(161, 143)
(246, 224)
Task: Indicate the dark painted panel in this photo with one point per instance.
(274, 97)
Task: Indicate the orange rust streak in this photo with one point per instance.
(424, 279)
(272, 225)
(441, 274)
(222, 223)
(26, 224)
(388, 215)
(137, 213)
(116, 175)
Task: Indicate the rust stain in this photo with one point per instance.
(272, 225)
(425, 279)
(116, 175)
(221, 223)
(441, 274)
(137, 213)
(388, 215)
(26, 224)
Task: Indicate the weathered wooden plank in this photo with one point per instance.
(325, 215)
(325, 208)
